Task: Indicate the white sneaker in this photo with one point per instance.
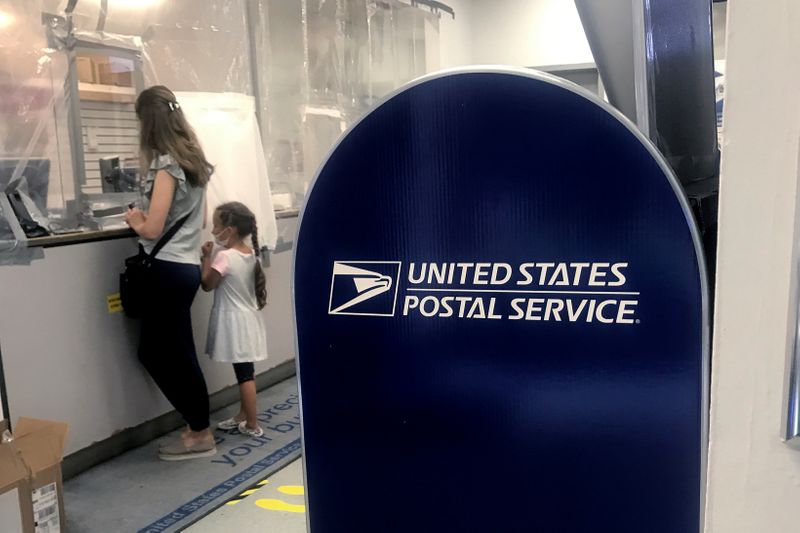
(244, 430)
(229, 424)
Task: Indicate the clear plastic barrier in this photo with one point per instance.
(70, 73)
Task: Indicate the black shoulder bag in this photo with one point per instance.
(134, 280)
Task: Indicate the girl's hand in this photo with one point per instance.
(135, 218)
(207, 248)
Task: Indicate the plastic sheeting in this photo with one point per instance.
(203, 49)
(34, 141)
(360, 50)
(70, 71)
(354, 53)
(187, 45)
(226, 126)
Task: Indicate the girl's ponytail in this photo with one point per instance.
(261, 279)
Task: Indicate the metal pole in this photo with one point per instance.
(6, 411)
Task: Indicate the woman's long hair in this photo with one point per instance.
(240, 218)
(163, 129)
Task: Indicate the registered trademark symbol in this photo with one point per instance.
(638, 321)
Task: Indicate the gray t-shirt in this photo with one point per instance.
(184, 246)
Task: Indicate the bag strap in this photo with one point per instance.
(169, 234)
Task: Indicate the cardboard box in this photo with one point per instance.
(30, 475)
(110, 73)
(86, 69)
(15, 492)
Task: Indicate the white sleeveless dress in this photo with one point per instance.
(236, 330)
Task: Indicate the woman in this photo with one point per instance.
(173, 190)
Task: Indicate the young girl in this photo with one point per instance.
(236, 333)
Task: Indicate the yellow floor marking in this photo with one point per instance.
(114, 303)
(278, 505)
(248, 492)
(262, 483)
(292, 490)
(233, 502)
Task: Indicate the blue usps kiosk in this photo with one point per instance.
(502, 319)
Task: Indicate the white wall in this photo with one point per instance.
(754, 479)
(719, 16)
(528, 33)
(513, 32)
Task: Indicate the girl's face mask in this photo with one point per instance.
(219, 239)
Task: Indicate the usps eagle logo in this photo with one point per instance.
(364, 288)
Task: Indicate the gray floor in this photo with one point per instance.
(278, 506)
(137, 492)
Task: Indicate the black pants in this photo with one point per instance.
(166, 347)
(244, 372)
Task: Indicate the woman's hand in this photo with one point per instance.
(151, 224)
(209, 278)
(135, 218)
